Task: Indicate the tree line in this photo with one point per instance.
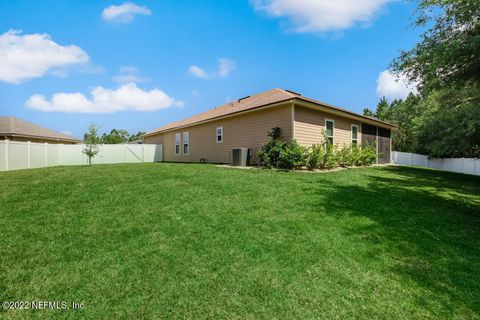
(443, 119)
(116, 136)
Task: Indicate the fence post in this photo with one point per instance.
(46, 156)
(103, 152)
(61, 151)
(124, 151)
(28, 155)
(463, 159)
(6, 154)
(376, 142)
(427, 163)
(410, 162)
(143, 152)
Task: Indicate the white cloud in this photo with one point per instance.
(24, 57)
(394, 87)
(128, 74)
(198, 72)
(124, 13)
(127, 97)
(224, 68)
(322, 15)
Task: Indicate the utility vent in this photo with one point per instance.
(243, 98)
(298, 94)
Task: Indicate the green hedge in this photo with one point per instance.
(276, 153)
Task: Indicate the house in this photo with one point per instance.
(210, 136)
(15, 129)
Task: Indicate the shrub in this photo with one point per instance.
(344, 156)
(368, 155)
(292, 156)
(269, 154)
(275, 133)
(315, 156)
(330, 157)
(276, 153)
(356, 155)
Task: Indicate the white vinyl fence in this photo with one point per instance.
(16, 155)
(461, 165)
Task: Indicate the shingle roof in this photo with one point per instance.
(13, 126)
(251, 102)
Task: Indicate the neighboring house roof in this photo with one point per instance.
(11, 126)
(252, 102)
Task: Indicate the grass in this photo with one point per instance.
(197, 241)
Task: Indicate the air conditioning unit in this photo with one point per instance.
(241, 157)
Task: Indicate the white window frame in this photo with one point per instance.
(333, 129)
(178, 143)
(217, 135)
(351, 136)
(187, 134)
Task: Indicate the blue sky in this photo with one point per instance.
(152, 62)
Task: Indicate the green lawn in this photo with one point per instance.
(198, 241)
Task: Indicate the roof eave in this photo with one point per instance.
(343, 111)
(10, 134)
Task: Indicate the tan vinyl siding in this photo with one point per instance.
(248, 130)
(310, 123)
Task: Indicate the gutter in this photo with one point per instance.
(39, 137)
(290, 100)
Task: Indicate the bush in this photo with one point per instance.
(315, 156)
(282, 155)
(344, 156)
(330, 157)
(356, 155)
(368, 155)
(276, 153)
(293, 156)
(269, 154)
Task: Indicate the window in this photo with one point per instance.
(219, 135)
(186, 143)
(177, 144)
(329, 125)
(354, 134)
